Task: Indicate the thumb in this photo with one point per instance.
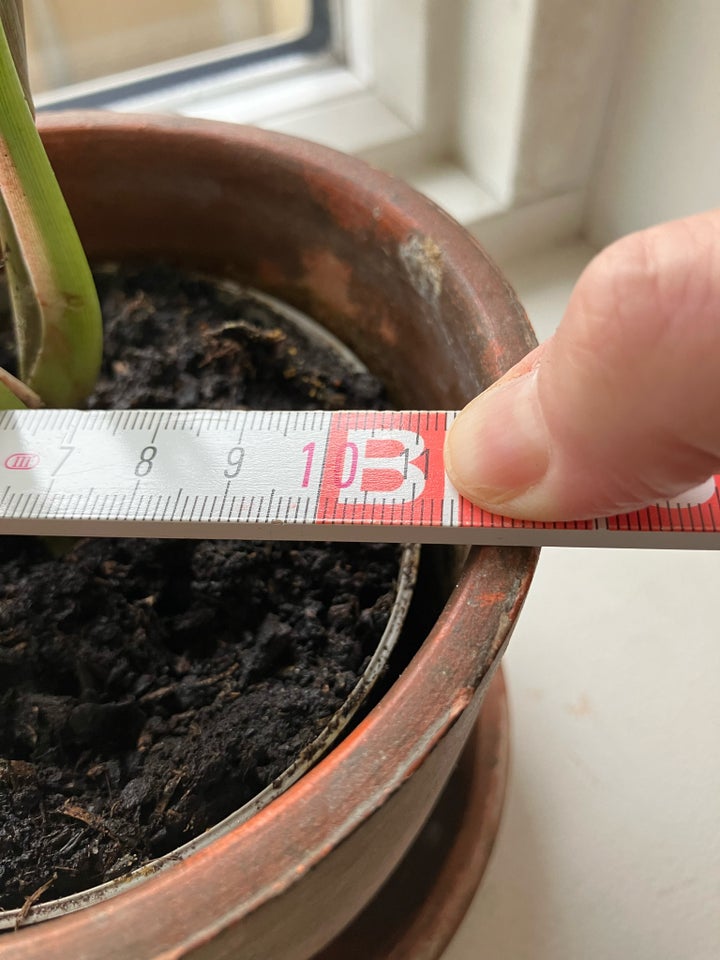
(622, 405)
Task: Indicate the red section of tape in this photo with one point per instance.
(397, 479)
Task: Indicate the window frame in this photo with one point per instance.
(203, 68)
(474, 125)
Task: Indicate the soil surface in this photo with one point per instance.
(148, 688)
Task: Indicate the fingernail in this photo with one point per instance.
(498, 448)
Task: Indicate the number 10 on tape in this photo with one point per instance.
(386, 468)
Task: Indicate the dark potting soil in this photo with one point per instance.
(148, 688)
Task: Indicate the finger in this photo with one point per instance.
(622, 405)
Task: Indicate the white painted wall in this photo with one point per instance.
(660, 155)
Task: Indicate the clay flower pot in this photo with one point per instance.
(415, 297)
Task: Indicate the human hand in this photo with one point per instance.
(621, 406)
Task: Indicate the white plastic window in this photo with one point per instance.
(75, 41)
(492, 108)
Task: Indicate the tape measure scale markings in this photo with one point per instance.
(353, 475)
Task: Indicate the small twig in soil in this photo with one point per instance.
(32, 900)
(139, 302)
(248, 331)
(216, 678)
(75, 840)
(91, 819)
(168, 792)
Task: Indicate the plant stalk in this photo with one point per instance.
(55, 305)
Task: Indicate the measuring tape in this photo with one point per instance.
(315, 475)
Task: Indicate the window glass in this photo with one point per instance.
(70, 41)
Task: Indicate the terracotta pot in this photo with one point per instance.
(418, 300)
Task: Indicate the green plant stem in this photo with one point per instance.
(55, 305)
(13, 22)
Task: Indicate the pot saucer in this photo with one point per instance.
(416, 913)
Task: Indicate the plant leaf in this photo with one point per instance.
(55, 305)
